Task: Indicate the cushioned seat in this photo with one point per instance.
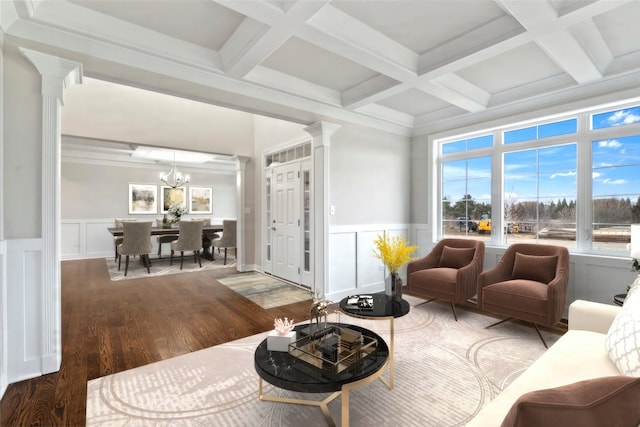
(529, 283)
(448, 273)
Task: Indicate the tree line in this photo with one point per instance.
(610, 210)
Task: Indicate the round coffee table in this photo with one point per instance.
(384, 307)
(286, 371)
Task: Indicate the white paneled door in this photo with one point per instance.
(286, 222)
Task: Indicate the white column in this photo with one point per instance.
(57, 74)
(321, 133)
(241, 207)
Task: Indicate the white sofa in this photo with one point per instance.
(578, 355)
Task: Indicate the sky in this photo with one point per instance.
(550, 173)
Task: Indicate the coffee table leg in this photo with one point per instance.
(389, 382)
(322, 404)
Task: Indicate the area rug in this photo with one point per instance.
(161, 267)
(445, 372)
(264, 290)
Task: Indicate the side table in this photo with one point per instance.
(384, 307)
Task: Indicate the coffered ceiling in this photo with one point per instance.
(404, 66)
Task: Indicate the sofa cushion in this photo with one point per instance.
(610, 401)
(540, 268)
(623, 338)
(456, 257)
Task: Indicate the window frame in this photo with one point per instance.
(583, 139)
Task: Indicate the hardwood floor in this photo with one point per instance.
(109, 327)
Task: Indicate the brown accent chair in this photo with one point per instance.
(136, 240)
(529, 283)
(450, 272)
(190, 239)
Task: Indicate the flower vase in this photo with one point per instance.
(393, 287)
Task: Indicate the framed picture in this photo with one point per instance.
(200, 200)
(170, 195)
(143, 199)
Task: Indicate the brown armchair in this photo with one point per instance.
(450, 272)
(529, 283)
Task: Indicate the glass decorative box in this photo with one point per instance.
(333, 349)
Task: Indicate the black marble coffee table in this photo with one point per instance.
(285, 371)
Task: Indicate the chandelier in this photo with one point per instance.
(174, 178)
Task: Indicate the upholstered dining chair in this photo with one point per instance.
(449, 272)
(136, 241)
(118, 239)
(228, 239)
(190, 239)
(529, 283)
(165, 238)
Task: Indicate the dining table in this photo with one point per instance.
(207, 230)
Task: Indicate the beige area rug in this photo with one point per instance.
(265, 290)
(161, 267)
(445, 372)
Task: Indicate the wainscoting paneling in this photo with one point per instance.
(71, 239)
(370, 269)
(342, 256)
(24, 309)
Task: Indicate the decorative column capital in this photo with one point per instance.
(57, 73)
(321, 132)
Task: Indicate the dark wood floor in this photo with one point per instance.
(109, 327)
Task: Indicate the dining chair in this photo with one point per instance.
(228, 239)
(189, 239)
(118, 239)
(165, 238)
(136, 241)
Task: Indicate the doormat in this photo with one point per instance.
(266, 291)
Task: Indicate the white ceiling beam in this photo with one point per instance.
(386, 114)
(468, 96)
(451, 93)
(257, 49)
(337, 32)
(371, 91)
(541, 20)
(286, 83)
(593, 43)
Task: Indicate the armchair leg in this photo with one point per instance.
(199, 259)
(534, 325)
(499, 322)
(453, 308)
(126, 265)
(225, 256)
(540, 335)
(181, 259)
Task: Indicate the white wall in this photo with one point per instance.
(369, 187)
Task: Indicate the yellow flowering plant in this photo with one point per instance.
(394, 252)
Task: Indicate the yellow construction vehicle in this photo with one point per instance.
(484, 225)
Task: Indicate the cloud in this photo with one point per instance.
(614, 181)
(610, 143)
(595, 175)
(623, 117)
(561, 174)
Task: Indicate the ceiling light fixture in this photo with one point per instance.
(174, 178)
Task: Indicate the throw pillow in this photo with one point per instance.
(540, 268)
(605, 401)
(623, 338)
(456, 257)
